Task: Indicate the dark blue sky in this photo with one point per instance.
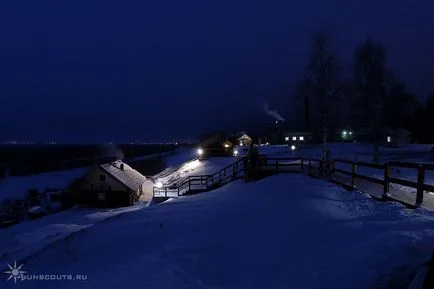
(123, 70)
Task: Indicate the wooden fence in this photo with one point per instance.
(328, 170)
(202, 183)
(386, 180)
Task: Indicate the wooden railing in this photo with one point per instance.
(202, 183)
(387, 179)
(281, 163)
(314, 167)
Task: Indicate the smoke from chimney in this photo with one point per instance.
(111, 150)
(273, 113)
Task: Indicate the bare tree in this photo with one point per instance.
(322, 83)
(369, 80)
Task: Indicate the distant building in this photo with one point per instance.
(395, 137)
(241, 139)
(297, 137)
(113, 184)
(274, 133)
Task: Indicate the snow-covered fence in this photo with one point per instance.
(361, 175)
(375, 179)
(281, 164)
(193, 184)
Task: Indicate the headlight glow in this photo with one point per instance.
(200, 151)
(159, 185)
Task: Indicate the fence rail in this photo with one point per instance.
(420, 185)
(319, 168)
(202, 183)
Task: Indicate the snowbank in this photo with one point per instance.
(286, 231)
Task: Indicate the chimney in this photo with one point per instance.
(122, 167)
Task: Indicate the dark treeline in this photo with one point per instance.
(369, 100)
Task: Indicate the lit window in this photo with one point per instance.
(389, 139)
(294, 138)
(286, 138)
(301, 138)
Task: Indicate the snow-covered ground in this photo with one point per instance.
(22, 240)
(353, 151)
(16, 187)
(285, 231)
(194, 167)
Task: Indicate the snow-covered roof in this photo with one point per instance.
(127, 176)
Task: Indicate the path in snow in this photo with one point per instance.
(286, 231)
(196, 168)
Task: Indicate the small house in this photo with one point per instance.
(242, 139)
(113, 184)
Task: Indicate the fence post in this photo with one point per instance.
(386, 180)
(310, 166)
(332, 169)
(301, 165)
(353, 175)
(420, 183)
(277, 165)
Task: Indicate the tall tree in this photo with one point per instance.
(303, 107)
(369, 81)
(400, 105)
(322, 86)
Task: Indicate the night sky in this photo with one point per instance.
(86, 71)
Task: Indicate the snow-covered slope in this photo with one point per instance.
(286, 231)
(16, 187)
(22, 240)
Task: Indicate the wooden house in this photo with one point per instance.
(113, 184)
(242, 139)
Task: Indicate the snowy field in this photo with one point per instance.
(353, 151)
(16, 187)
(286, 231)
